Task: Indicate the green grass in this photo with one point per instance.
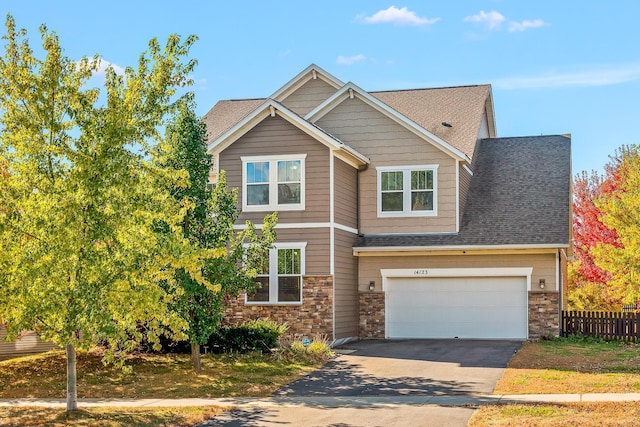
(557, 415)
(113, 417)
(572, 365)
(152, 376)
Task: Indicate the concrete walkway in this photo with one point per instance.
(336, 402)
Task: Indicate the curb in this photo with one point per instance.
(335, 402)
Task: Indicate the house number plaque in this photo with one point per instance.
(423, 272)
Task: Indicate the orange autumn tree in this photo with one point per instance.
(588, 281)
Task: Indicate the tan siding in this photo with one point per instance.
(387, 143)
(317, 250)
(30, 343)
(465, 183)
(544, 266)
(346, 286)
(484, 127)
(346, 194)
(276, 136)
(309, 96)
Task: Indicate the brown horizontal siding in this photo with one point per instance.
(309, 96)
(346, 194)
(276, 136)
(544, 265)
(346, 286)
(386, 143)
(29, 343)
(317, 250)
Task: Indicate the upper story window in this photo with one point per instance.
(407, 190)
(281, 281)
(272, 183)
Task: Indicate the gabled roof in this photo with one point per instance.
(462, 107)
(311, 72)
(351, 90)
(272, 108)
(519, 197)
(422, 111)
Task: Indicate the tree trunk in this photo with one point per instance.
(195, 357)
(72, 392)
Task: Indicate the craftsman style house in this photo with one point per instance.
(401, 213)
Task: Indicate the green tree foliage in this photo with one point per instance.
(621, 212)
(208, 223)
(86, 232)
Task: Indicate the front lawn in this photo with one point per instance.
(558, 415)
(112, 417)
(572, 366)
(167, 376)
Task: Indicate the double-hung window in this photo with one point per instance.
(281, 282)
(407, 190)
(272, 183)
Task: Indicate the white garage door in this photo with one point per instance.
(462, 307)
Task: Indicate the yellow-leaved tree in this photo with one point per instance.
(87, 233)
(621, 212)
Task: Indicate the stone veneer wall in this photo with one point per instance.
(544, 314)
(371, 315)
(312, 318)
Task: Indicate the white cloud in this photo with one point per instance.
(104, 64)
(525, 25)
(492, 20)
(393, 15)
(597, 76)
(348, 60)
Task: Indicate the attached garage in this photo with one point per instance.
(457, 303)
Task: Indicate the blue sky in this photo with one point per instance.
(570, 66)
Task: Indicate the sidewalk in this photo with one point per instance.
(336, 402)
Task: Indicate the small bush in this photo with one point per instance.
(318, 350)
(253, 335)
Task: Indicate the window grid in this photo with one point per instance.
(273, 183)
(282, 284)
(407, 191)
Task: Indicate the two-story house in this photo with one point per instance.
(401, 214)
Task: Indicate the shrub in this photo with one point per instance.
(253, 335)
(316, 351)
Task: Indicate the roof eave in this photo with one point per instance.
(512, 247)
(311, 72)
(271, 108)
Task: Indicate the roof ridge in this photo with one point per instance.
(431, 88)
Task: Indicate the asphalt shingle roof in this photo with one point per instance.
(461, 106)
(519, 195)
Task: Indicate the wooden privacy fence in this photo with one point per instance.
(600, 324)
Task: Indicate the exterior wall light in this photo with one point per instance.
(372, 285)
(542, 283)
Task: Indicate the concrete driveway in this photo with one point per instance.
(385, 383)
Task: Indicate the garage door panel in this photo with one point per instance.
(467, 307)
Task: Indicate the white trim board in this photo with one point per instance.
(289, 226)
(457, 272)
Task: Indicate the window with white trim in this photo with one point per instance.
(272, 183)
(407, 190)
(281, 282)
